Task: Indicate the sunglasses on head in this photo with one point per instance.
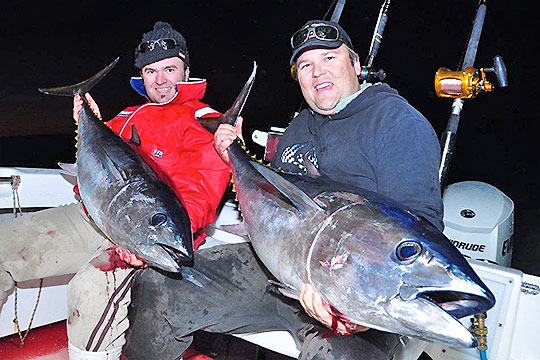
(320, 32)
(150, 45)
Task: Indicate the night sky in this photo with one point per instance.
(64, 42)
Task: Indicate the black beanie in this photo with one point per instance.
(162, 30)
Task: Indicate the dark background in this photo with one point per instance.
(64, 42)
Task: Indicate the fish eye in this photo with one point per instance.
(158, 219)
(408, 250)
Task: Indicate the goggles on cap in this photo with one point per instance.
(320, 32)
(150, 45)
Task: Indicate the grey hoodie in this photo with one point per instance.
(378, 142)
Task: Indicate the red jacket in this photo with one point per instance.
(179, 149)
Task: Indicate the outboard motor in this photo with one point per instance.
(479, 221)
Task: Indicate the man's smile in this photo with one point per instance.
(164, 89)
(324, 85)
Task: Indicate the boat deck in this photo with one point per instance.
(49, 342)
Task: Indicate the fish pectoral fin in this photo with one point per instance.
(239, 229)
(288, 293)
(135, 138)
(284, 289)
(71, 169)
(114, 173)
(299, 198)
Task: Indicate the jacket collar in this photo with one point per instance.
(193, 89)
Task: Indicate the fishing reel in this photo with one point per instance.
(367, 74)
(469, 82)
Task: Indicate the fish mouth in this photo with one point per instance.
(180, 258)
(433, 311)
(455, 292)
(460, 304)
(431, 316)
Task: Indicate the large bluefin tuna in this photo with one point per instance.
(374, 262)
(123, 195)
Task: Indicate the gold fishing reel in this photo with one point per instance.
(464, 84)
(469, 82)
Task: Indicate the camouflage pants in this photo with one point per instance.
(227, 291)
(62, 241)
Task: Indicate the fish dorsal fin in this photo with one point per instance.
(310, 167)
(209, 123)
(114, 173)
(299, 198)
(135, 139)
(71, 169)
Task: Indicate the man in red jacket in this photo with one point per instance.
(63, 240)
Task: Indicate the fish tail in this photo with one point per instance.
(211, 124)
(82, 87)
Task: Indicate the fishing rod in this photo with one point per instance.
(367, 72)
(336, 15)
(460, 85)
(464, 84)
